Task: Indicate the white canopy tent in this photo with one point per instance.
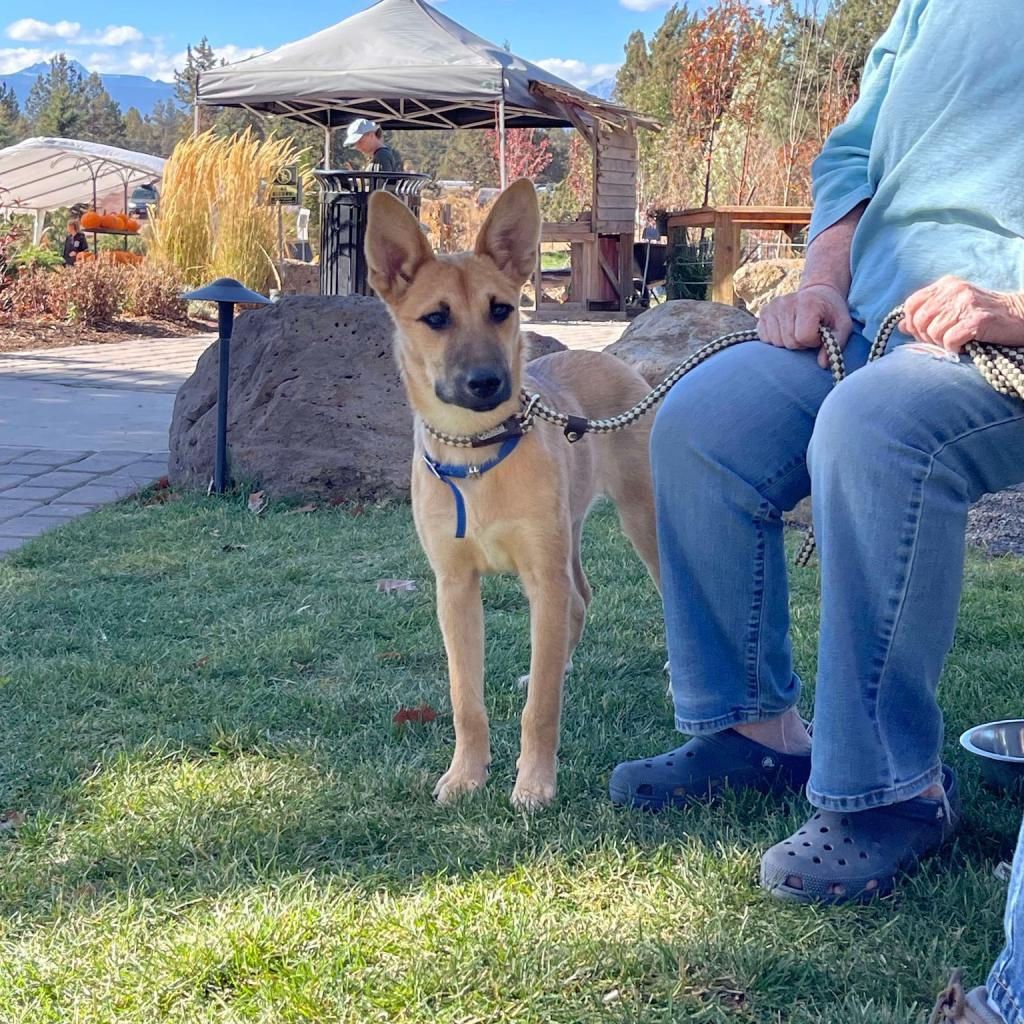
(39, 175)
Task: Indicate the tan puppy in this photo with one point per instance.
(461, 357)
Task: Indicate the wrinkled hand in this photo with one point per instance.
(952, 312)
(792, 321)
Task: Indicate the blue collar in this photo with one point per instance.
(448, 474)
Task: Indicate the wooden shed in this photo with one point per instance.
(601, 240)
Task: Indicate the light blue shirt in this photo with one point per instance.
(936, 143)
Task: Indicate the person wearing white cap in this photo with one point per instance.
(368, 137)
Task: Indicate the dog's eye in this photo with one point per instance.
(500, 312)
(438, 320)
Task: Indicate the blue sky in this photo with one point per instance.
(581, 40)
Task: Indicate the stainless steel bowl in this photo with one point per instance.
(1000, 745)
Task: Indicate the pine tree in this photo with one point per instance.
(102, 116)
(859, 23)
(137, 131)
(10, 117)
(65, 104)
(168, 124)
(56, 104)
(186, 82)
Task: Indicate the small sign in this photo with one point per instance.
(286, 188)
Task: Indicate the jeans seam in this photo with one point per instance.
(974, 430)
(911, 544)
(771, 481)
(756, 617)
(1007, 995)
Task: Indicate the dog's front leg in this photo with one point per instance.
(461, 614)
(551, 596)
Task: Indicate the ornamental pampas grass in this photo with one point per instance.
(212, 219)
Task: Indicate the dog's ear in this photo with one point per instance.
(396, 247)
(511, 234)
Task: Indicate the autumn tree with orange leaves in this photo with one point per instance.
(720, 51)
(527, 152)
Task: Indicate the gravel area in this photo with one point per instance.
(996, 522)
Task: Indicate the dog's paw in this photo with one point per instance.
(524, 681)
(459, 780)
(534, 791)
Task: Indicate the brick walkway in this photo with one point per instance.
(83, 426)
(41, 488)
(86, 425)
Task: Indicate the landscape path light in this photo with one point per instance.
(226, 292)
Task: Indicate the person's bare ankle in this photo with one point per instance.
(787, 734)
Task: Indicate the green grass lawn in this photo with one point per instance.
(554, 260)
(222, 824)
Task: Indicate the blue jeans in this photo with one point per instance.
(1006, 982)
(895, 455)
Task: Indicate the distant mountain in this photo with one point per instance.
(126, 90)
(604, 88)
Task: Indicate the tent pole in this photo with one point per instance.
(501, 143)
(327, 148)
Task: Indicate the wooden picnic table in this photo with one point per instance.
(728, 222)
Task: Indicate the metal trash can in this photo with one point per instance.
(344, 201)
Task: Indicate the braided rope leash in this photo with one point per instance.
(1001, 366)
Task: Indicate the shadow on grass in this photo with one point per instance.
(197, 711)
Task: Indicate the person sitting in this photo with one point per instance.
(74, 243)
(368, 137)
(894, 456)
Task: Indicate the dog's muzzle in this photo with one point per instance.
(480, 389)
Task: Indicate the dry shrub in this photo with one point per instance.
(212, 219)
(90, 293)
(154, 291)
(30, 293)
(453, 221)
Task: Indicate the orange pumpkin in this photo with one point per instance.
(91, 220)
(131, 224)
(111, 221)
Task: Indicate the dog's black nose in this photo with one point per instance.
(484, 383)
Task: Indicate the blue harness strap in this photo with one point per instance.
(448, 474)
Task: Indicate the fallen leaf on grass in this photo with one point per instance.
(235, 547)
(163, 483)
(202, 661)
(393, 586)
(423, 714)
(10, 820)
(390, 656)
(302, 510)
(257, 502)
(355, 511)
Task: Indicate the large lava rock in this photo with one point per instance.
(758, 283)
(660, 339)
(316, 407)
(315, 403)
